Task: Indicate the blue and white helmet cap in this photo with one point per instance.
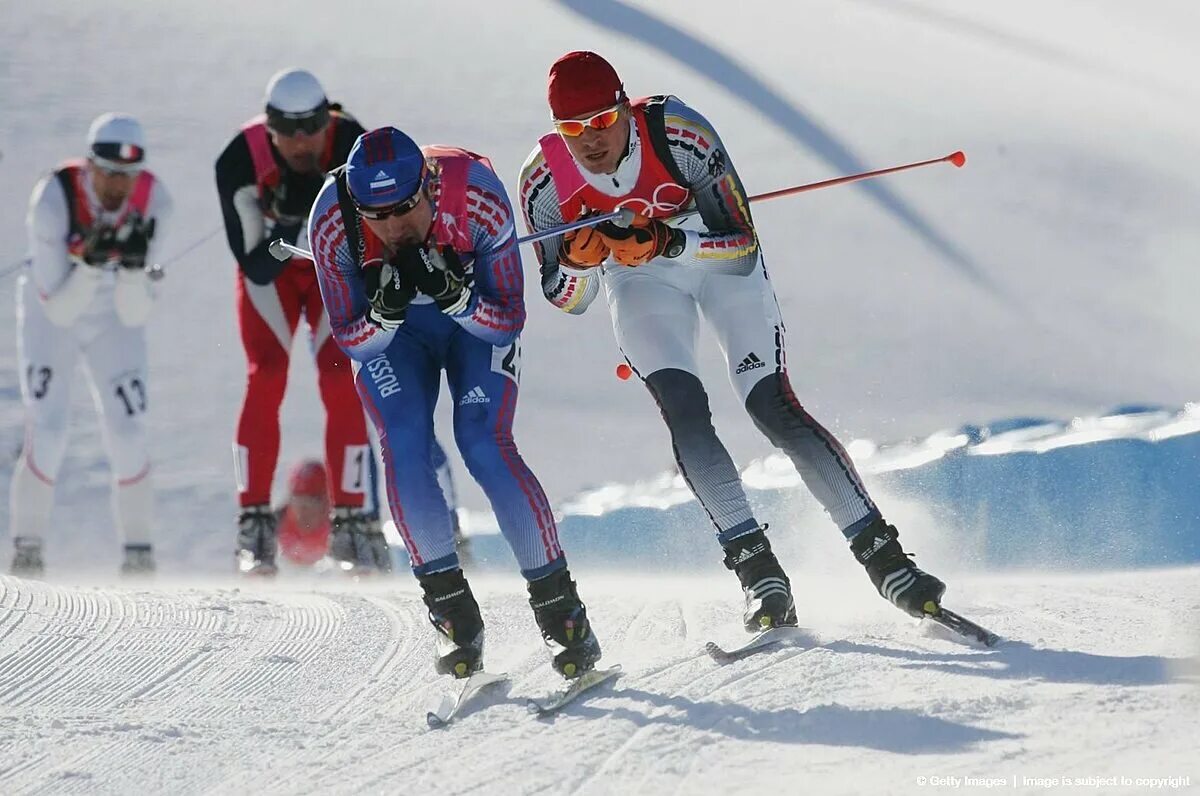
(385, 167)
(116, 142)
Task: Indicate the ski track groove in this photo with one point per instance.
(13, 615)
(53, 657)
(395, 659)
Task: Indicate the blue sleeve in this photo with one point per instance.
(496, 314)
(341, 281)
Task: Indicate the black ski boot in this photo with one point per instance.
(138, 561)
(455, 616)
(356, 541)
(767, 588)
(563, 620)
(27, 558)
(256, 542)
(896, 578)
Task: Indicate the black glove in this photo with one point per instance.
(438, 273)
(99, 244)
(294, 196)
(133, 241)
(388, 294)
(289, 231)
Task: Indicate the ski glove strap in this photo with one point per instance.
(438, 273)
(583, 248)
(388, 294)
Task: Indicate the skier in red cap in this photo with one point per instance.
(657, 156)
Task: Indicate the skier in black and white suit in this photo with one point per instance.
(94, 228)
(657, 156)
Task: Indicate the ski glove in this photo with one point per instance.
(641, 241)
(132, 241)
(439, 273)
(388, 295)
(97, 247)
(583, 248)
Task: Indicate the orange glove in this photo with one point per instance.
(582, 248)
(642, 241)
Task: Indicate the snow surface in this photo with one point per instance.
(293, 689)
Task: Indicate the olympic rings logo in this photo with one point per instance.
(668, 198)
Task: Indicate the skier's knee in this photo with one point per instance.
(481, 446)
(268, 377)
(772, 407)
(45, 446)
(681, 399)
(127, 452)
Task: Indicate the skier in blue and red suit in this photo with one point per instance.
(417, 259)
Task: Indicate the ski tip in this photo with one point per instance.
(434, 721)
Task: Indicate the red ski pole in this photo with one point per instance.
(957, 158)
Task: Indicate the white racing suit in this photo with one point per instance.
(69, 312)
(675, 159)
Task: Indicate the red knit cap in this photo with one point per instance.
(307, 479)
(582, 83)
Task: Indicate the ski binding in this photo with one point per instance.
(452, 705)
(585, 682)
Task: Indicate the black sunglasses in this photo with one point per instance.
(289, 124)
(379, 213)
(122, 154)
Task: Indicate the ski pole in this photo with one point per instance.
(281, 250)
(956, 158)
(155, 271)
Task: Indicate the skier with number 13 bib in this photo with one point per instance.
(417, 259)
(657, 156)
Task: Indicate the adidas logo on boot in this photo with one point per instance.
(897, 579)
(766, 587)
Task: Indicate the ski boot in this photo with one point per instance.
(356, 542)
(256, 543)
(768, 591)
(454, 614)
(893, 573)
(138, 561)
(563, 620)
(27, 557)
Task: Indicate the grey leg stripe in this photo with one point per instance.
(822, 462)
(703, 461)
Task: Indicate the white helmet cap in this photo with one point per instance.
(116, 141)
(294, 91)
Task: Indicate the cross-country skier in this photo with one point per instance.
(657, 156)
(94, 227)
(267, 178)
(418, 262)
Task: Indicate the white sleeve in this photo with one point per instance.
(134, 294)
(65, 287)
(254, 223)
